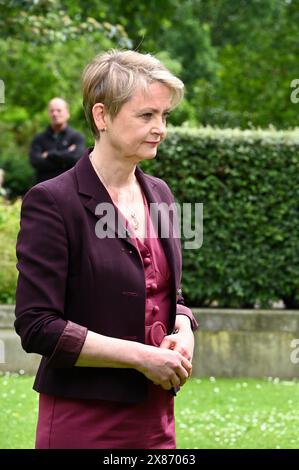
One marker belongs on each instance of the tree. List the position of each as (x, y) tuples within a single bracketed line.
[(49, 21)]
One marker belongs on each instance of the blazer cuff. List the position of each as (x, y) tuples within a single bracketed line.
[(69, 346), (183, 310)]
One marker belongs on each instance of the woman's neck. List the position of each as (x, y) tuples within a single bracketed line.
[(116, 172)]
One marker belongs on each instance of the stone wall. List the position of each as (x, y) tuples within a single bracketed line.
[(229, 343), (246, 343), (15, 358)]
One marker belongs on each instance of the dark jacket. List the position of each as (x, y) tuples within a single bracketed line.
[(70, 281), (59, 158)]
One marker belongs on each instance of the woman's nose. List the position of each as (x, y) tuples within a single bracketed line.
[(159, 127)]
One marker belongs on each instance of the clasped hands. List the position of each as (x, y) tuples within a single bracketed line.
[(170, 365), (182, 341)]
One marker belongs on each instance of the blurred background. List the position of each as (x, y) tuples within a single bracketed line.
[(236, 58)]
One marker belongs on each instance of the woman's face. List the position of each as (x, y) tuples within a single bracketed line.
[(140, 126)]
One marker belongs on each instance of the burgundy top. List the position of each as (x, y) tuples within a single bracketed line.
[(96, 424)]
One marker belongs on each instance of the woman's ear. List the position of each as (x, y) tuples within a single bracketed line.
[(99, 116)]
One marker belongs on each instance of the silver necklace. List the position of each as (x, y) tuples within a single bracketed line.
[(134, 221)]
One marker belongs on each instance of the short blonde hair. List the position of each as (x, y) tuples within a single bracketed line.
[(111, 78)]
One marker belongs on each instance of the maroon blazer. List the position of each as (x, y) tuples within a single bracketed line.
[(70, 281)]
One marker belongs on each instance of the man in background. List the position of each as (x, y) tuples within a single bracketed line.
[(59, 147)]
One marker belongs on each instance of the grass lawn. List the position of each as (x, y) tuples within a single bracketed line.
[(210, 414)]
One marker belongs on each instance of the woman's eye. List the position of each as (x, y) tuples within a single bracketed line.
[(146, 115), (166, 116)]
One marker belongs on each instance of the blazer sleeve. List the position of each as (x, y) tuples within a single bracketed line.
[(181, 309), (42, 253)]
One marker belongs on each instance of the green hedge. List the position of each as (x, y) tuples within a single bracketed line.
[(248, 182), (14, 159), (9, 227)]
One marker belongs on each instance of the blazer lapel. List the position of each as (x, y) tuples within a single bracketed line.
[(154, 194), (93, 192)]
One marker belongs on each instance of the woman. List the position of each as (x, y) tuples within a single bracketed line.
[(99, 297)]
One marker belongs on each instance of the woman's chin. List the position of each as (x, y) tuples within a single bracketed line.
[(149, 155)]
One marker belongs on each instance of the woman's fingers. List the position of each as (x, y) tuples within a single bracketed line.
[(186, 364), (174, 382), (184, 371), (182, 343), (184, 375), (169, 369)]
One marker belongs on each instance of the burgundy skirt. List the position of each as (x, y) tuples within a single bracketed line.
[(98, 424)]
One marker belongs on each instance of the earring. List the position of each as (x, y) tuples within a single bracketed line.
[(103, 130)]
